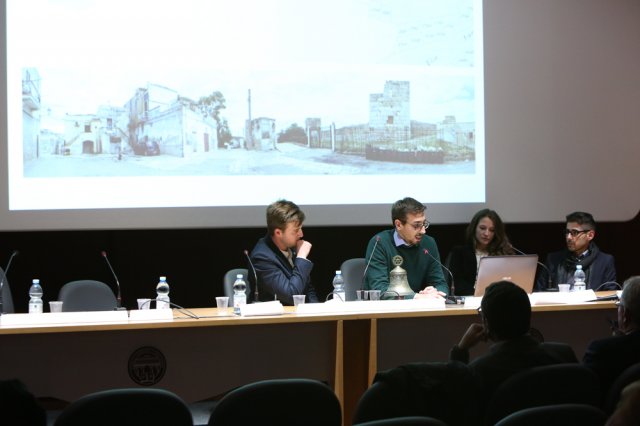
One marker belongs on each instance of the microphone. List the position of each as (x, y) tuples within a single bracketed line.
[(364, 274), (550, 286), (451, 299), (256, 297), (4, 275), (119, 295)]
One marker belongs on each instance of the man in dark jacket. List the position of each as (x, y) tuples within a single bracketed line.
[(599, 267), (281, 259), (610, 356), (506, 317)]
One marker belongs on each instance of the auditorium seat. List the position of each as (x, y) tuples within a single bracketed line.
[(279, 402), (628, 376), (556, 415), (443, 390), (87, 295), (545, 385), (405, 421), (127, 407)]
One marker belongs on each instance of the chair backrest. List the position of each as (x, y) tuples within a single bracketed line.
[(229, 279), (628, 376), (405, 421), (87, 295), (447, 391), (279, 402), (544, 385), (127, 407), (352, 271), (7, 298), (556, 415)]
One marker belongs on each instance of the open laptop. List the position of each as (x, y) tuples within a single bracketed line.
[(521, 270)]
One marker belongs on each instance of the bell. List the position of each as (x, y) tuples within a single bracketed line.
[(398, 282)]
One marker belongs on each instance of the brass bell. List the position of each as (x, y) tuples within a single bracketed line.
[(398, 282)]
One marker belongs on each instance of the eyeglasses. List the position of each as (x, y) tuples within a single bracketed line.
[(418, 226), (575, 232)]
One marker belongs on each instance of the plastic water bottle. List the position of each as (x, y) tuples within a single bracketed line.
[(338, 287), (35, 297), (162, 291), (578, 279), (239, 294)]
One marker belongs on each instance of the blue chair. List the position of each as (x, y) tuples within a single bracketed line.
[(87, 295), (352, 272)]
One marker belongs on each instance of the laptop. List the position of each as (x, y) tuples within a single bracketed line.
[(521, 270)]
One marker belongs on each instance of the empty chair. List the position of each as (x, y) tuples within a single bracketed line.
[(556, 415), (545, 385), (405, 421), (229, 279), (87, 295), (127, 407), (352, 272), (279, 402), (7, 298), (628, 376), (447, 391)]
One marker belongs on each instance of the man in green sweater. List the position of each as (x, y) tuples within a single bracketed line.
[(407, 239)]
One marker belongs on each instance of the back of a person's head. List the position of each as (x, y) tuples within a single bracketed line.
[(18, 407), (630, 298), (507, 310)]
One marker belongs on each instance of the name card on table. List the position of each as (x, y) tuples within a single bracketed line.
[(65, 318), (262, 308), (151, 315), (371, 306), (561, 297)]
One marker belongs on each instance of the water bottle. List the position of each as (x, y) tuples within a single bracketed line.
[(578, 279), (35, 298), (239, 294), (162, 291), (338, 287)]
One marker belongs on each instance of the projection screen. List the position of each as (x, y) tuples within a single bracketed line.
[(187, 114)]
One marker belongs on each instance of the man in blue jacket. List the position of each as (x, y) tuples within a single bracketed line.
[(281, 257), (599, 267)]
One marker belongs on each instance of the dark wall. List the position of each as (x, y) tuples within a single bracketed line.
[(195, 260)]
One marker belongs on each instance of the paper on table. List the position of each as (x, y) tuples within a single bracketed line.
[(559, 298), (262, 308)]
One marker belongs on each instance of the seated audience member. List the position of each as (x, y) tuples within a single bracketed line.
[(18, 407), (506, 314), (598, 266), (280, 258), (610, 356), (627, 412), (408, 240), (485, 236)]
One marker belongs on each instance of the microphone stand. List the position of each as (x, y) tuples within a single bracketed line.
[(4, 276)]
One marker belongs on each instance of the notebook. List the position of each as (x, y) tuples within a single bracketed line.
[(521, 270)]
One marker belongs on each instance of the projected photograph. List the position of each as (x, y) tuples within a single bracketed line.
[(245, 88)]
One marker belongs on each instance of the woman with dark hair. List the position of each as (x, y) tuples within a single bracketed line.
[(485, 236)]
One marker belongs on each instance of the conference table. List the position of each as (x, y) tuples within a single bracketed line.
[(200, 354)]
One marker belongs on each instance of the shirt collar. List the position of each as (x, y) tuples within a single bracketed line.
[(399, 242)]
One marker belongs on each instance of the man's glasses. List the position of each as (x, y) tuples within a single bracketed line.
[(418, 226), (575, 232)]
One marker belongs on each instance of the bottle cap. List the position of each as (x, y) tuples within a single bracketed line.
[(338, 272), (163, 278), (36, 281), (239, 276)]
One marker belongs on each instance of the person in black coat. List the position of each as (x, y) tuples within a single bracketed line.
[(610, 356), (599, 267), (506, 316), (485, 236)]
